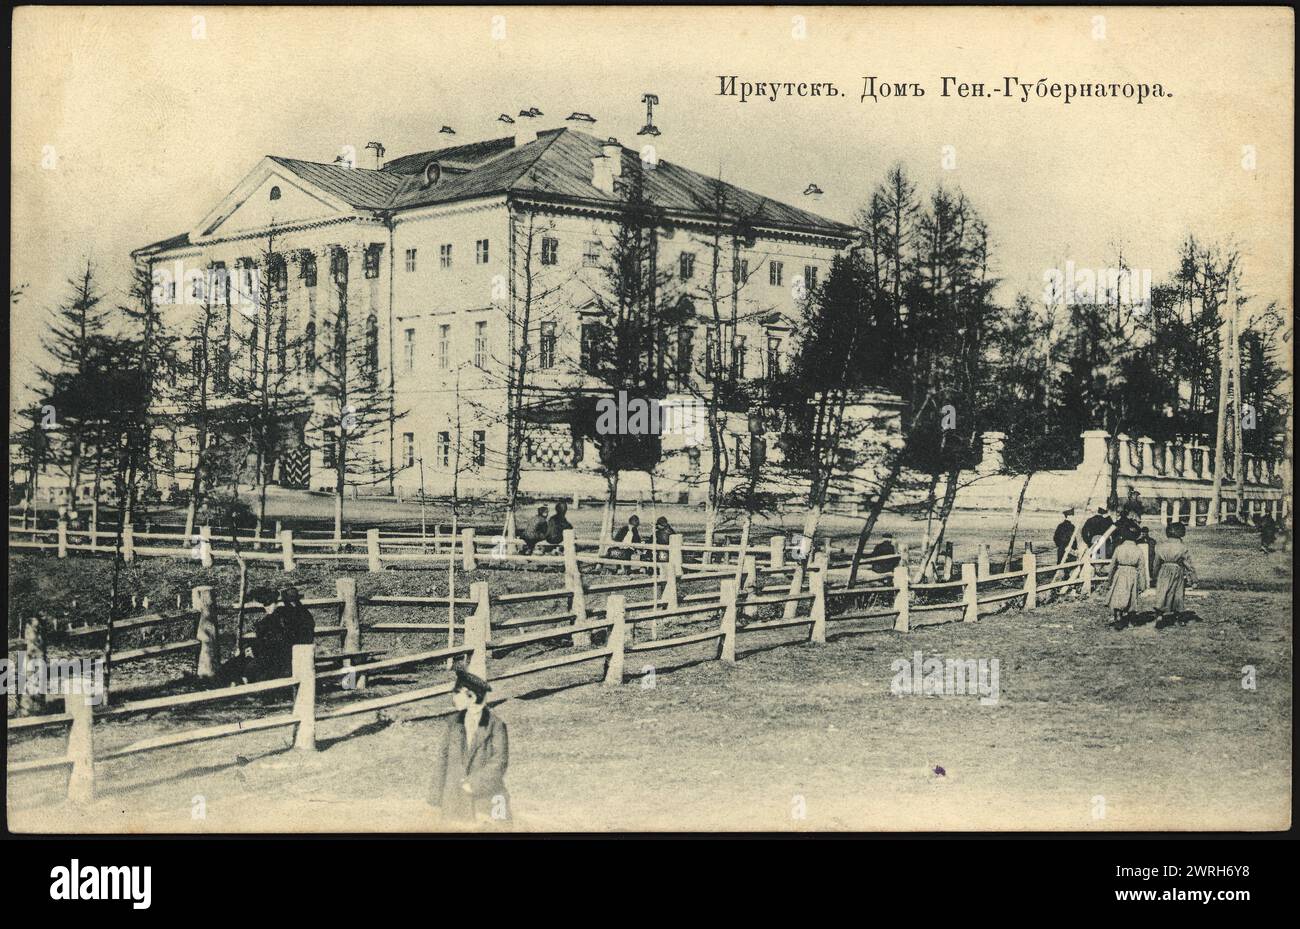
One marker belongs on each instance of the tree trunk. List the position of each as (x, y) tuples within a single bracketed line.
[(1015, 522)]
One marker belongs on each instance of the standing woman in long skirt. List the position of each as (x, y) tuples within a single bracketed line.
[(1126, 576), (1174, 571)]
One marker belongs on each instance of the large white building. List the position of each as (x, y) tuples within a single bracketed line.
[(434, 252)]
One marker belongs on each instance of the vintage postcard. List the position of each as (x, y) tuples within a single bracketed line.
[(650, 419)]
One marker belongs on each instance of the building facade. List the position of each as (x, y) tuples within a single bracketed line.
[(445, 260)]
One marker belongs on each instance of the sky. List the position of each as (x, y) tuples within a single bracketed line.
[(130, 124)]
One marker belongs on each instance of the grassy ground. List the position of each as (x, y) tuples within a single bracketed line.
[(1094, 729)]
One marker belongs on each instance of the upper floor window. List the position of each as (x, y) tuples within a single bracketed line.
[(810, 278), (410, 259), (481, 252), (408, 449), (686, 266), (480, 344), (372, 260), (590, 347), (444, 449), (546, 353), (444, 347), (372, 348), (309, 269), (738, 355), (408, 350), (742, 271), (591, 254), (479, 448), (685, 339), (444, 256), (775, 273), (550, 250)]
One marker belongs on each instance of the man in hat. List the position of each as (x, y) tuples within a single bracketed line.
[(299, 624), (1063, 534), (534, 533), (272, 654), (469, 764)]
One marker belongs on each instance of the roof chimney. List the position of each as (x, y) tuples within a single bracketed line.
[(379, 153), (526, 126), (614, 152), (602, 174)]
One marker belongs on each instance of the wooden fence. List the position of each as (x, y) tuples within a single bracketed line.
[(802, 595)]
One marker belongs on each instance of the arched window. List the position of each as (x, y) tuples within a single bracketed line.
[(275, 193)]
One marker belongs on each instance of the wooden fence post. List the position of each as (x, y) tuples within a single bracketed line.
[(675, 554), (776, 556), (372, 550), (350, 614), (902, 597), (670, 596), (304, 699), (749, 582), (1029, 564), (982, 559), (970, 593), (476, 630), (128, 543), (796, 588), (81, 742), (817, 587), (32, 696), (614, 612), (467, 561), (206, 633), (727, 647), (205, 546), (286, 550), (573, 581), (63, 537)]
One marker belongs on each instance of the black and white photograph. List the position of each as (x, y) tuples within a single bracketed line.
[(518, 421)]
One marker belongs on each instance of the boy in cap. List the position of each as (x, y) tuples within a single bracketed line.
[(469, 764)]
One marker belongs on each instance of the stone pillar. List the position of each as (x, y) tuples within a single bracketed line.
[(1126, 468), (1148, 460), (1094, 451)]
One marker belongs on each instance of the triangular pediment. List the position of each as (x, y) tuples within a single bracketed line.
[(271, 196)]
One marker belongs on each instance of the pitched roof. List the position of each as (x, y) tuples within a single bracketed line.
[(555, 166)]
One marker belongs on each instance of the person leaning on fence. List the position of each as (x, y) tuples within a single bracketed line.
[(627, 533), (271, 645), (470, 758), (1063, 534), (664, 531), (556, 525), (1174, 571), (534, 533), (299, 624), (883, 551)]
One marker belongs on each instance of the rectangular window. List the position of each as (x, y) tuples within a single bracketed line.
[(408, 448), (309, 269), (481, 252), (480, 344), (550, 250), (444, 449), (372, 260), (444, 256), (408, 349), (410, 259), (810, 277), (685, 348), (590, 348), (444, 347), (712, 358), (774, 273), (479, 448), (742, 271), (591, 254), (773, 356), (546, 353), (686, 266), (738, 355)]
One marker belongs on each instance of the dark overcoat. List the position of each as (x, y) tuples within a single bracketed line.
[(479, 761)]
